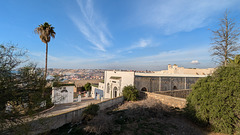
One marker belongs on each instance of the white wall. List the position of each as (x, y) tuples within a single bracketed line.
[(93, 91), (123, 79), (100, 85), (63, 94)]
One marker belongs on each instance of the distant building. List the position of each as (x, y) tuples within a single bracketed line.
[(190, 71)]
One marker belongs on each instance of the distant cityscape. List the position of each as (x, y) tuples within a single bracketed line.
[(83, 74)]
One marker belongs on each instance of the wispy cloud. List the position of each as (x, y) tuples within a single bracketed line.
[(173, 16), (158, 61), (96, 61), (180, 57), (91, 25), (81, 50), (142, 43), (195, 62)]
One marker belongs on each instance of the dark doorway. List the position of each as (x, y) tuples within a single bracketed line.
[(115, 91), (174, 87), (115, 94), (144, 89)]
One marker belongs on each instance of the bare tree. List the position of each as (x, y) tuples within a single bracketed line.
[(225, 40)]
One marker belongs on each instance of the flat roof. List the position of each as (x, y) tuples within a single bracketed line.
[(168, 75)]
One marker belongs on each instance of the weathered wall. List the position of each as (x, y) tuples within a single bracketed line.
[(170, 83), (167, 100), (154, 84), (63, 94), (191, 81), (56, 121), (150, 83), (176, 93)]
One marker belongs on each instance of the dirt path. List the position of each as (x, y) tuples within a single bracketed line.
[(62, 108)]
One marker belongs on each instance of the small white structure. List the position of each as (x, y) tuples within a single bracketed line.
[(95, 91), (62, 94)]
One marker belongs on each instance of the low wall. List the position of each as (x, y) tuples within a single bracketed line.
[(176, 93), (45, 124), (167, 100)]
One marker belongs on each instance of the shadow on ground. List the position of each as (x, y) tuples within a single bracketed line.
[(144, 117)]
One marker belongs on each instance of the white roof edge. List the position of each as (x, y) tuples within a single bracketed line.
[(120, 71), (169, 75)]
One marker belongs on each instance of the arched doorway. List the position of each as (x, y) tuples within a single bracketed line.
[(174, 87), (144, 89), (115, 92)]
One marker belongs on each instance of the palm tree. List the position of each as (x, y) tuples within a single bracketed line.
[(45, 32)]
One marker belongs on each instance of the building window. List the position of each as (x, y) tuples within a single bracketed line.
[(108, 88)]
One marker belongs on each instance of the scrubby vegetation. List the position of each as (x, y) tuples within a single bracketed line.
[(23, 91), (215, 100), (90, 112), (145, 117), (130, 93)]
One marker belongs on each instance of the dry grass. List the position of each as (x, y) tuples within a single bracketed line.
[(141, 117), (100, 124)]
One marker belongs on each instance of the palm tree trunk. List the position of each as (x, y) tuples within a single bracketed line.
[(45, 73)]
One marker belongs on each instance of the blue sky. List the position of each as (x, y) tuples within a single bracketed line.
[(116, 34)]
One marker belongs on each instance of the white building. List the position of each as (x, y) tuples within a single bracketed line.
[(114, 82), (62, 94), (172, 79), (189, 71)]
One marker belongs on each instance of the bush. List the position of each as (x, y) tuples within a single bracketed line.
[(89, 113), (215, 100), (87, 86), (130, 93)]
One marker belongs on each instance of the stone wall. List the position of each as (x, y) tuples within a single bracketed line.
[(176, 93), (163, 83), (45, 124), (167, 100), (150, 83)]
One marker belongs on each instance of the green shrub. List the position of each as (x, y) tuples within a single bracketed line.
[(88, 86), (90, 112), (130, 93), (215, 100)]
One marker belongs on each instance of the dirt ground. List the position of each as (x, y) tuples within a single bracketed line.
[(145, 117)]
